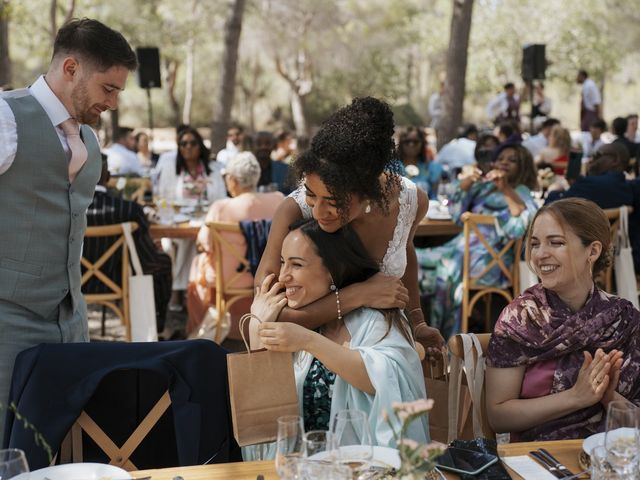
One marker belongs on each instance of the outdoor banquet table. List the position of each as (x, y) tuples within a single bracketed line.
[(427, 228), (566, 451), (178, 230)]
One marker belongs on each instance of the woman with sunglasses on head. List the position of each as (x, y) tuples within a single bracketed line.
[(412, 152), (189, 178), (350, 175)]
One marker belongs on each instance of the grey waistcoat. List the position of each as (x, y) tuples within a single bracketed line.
[(42, 215)]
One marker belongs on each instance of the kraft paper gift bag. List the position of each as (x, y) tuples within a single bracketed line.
[(261, 389)]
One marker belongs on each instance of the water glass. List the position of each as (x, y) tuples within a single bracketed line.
[(621, 439), (289, 446), (12, 463), (601, 469), (312, 470), (352, 439), (319, 442)]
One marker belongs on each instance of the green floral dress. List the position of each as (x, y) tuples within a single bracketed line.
[(317, 391)]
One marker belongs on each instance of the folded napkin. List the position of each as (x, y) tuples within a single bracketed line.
[(527, 468)]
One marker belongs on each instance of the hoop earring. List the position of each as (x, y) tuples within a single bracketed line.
[(367, 209)]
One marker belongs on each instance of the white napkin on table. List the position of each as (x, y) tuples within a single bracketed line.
[(527, 468)]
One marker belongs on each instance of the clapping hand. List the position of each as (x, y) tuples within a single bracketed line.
[(595, 377), (499, 178)]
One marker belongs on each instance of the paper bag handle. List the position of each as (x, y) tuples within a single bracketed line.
[(241, 323), (133, 253)]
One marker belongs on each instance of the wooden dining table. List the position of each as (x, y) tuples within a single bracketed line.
[(566, 451), (426, 228)]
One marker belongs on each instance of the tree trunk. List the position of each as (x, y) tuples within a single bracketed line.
[(188, 88), (53, 12), (227, 80), (5, 59), (453, 102), (170, 82), (298, 113)]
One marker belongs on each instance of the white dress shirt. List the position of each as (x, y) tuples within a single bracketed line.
[(123, 161), (499, 105), (457, 153), (590, 94), (535, 144), (54, 109), (227, 153)]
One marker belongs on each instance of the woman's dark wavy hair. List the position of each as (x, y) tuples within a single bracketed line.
[(348, 262), (353, 148), (204, 151), (422, 138)]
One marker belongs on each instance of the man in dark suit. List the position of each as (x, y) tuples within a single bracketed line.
[(606, 186), (107, 210)]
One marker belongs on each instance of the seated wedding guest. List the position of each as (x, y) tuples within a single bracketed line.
[(619, 128), (537, 142), (285, 146), (274, 173), (459, 151), (121, 156), (362, 360), (148, 159), (632, 128), (592, 140), (188, 178), (505, 192), (487, 143), (241, 178), (234, 145), (107, 210), (607, 186), (169, 156), (412, 151), (350, 175), (563, 349), (508, 132), (557, 153)]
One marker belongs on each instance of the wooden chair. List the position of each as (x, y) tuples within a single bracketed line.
[(470, 284), (226, 292), (71, 450), (456, 348), (117, 293), (606, 277)]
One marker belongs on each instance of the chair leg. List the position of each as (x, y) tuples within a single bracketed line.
[(487, 313)]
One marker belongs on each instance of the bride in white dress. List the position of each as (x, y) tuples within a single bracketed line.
[(349, 175)]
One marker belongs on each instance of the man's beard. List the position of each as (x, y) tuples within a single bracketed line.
[(80, 102)]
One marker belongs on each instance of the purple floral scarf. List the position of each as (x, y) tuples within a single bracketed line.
[(538, 326)]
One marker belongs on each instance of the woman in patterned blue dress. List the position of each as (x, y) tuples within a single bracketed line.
[(412, 152), (505, 192)]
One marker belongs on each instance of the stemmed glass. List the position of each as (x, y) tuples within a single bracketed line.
[(352, 439), (12, 463), (289, 446), (621, 439), (320, 458)]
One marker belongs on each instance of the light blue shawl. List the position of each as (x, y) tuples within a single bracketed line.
[(393, 367)]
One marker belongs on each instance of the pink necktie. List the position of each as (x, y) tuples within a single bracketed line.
[(71, 130)]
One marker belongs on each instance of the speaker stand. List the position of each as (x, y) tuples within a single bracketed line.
[(150, 111), (530, 85)]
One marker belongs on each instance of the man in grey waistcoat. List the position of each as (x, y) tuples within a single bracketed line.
[(49, 166)]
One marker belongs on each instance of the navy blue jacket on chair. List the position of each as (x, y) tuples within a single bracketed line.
[(52, 384)]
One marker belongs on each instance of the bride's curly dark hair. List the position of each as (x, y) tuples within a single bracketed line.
[(353, 148)]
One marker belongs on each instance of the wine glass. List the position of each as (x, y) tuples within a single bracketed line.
[(12, 463), (352, 439), (621, 439), (319, 442), (289, 445), (443, 193), (600, 467)]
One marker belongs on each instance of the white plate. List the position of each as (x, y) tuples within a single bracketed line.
[(382, 456), (592, 442), (597, 439), (77, 471), (438, 215), (181, 218)]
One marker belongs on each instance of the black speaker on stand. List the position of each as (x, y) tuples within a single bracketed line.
[(149, 76), (534, 65)]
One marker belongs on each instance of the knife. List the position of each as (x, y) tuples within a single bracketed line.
[(556, 463), (541, 459)]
